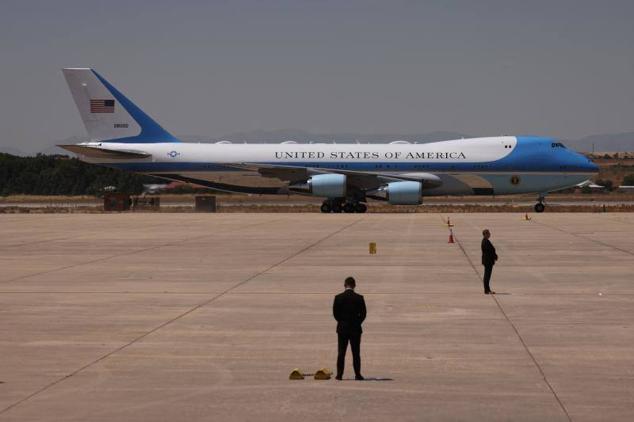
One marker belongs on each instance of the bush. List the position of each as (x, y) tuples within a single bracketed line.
[(60, 175), (607, 183), (628, 180)]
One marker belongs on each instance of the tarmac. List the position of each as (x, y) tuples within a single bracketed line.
[(165, 317)]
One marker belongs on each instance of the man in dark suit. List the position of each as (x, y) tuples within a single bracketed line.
[(488, 260), (349, 311)]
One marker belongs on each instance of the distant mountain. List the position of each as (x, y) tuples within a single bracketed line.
[(12, 151), (605, 143), (261, 136), (614, 142), (611, 142), (55, 150)]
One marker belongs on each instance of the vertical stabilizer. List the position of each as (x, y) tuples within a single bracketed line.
[(107, 114)]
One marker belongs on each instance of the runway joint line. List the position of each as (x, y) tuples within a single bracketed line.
[(519, 336), (178, 317), (588, 239)]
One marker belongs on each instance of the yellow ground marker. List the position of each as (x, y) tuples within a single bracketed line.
[(323, 374), (296, 374), (372, 248)]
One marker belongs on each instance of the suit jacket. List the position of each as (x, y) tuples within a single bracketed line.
[(488, 253), (349, 311)]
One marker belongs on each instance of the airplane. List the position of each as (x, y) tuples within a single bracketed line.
[(346, 175)]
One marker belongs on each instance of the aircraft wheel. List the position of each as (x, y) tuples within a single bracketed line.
[(539, 207), (336, 206), (360, 207), (348, 207), (325, 207)]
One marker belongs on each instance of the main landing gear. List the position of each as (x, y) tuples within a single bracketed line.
[(340, 205), (539, 206)]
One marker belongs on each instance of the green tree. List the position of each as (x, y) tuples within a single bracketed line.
[(60, 175), (628, 180)]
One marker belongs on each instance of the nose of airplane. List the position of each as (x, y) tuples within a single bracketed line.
[(584, 163), (593, 167)]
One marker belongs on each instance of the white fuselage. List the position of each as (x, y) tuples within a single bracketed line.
[(495, 165)]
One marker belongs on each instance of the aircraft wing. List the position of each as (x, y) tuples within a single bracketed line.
[(363, 180)]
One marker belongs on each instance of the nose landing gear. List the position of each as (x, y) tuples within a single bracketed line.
[(339, 205), (539, 206)]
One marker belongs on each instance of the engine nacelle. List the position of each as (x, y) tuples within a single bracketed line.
[(326, 185), (401, 193)]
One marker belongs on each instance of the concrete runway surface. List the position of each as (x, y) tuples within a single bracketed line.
[(167, 317)]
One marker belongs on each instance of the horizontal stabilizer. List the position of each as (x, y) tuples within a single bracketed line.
[(96, 152)]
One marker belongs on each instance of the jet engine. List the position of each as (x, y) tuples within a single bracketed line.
[(400, 193), (326, 185)]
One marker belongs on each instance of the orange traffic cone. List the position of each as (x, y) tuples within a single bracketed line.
[(526, 217), (449, 222), (451, 236)]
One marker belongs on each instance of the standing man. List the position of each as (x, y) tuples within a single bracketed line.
[(488, 260), (349, 311)]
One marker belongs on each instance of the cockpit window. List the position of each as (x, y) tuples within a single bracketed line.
[(558, 145)]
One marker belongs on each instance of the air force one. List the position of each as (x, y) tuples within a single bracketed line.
[(401, 173)]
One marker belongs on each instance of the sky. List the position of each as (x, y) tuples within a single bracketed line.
[(212, 68)]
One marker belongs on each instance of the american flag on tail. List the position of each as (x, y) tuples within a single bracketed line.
[(102, 106)]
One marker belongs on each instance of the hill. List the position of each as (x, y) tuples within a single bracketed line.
[(610, 142)]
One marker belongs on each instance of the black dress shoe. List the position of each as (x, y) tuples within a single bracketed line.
[(359, 377), (338, 377)]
